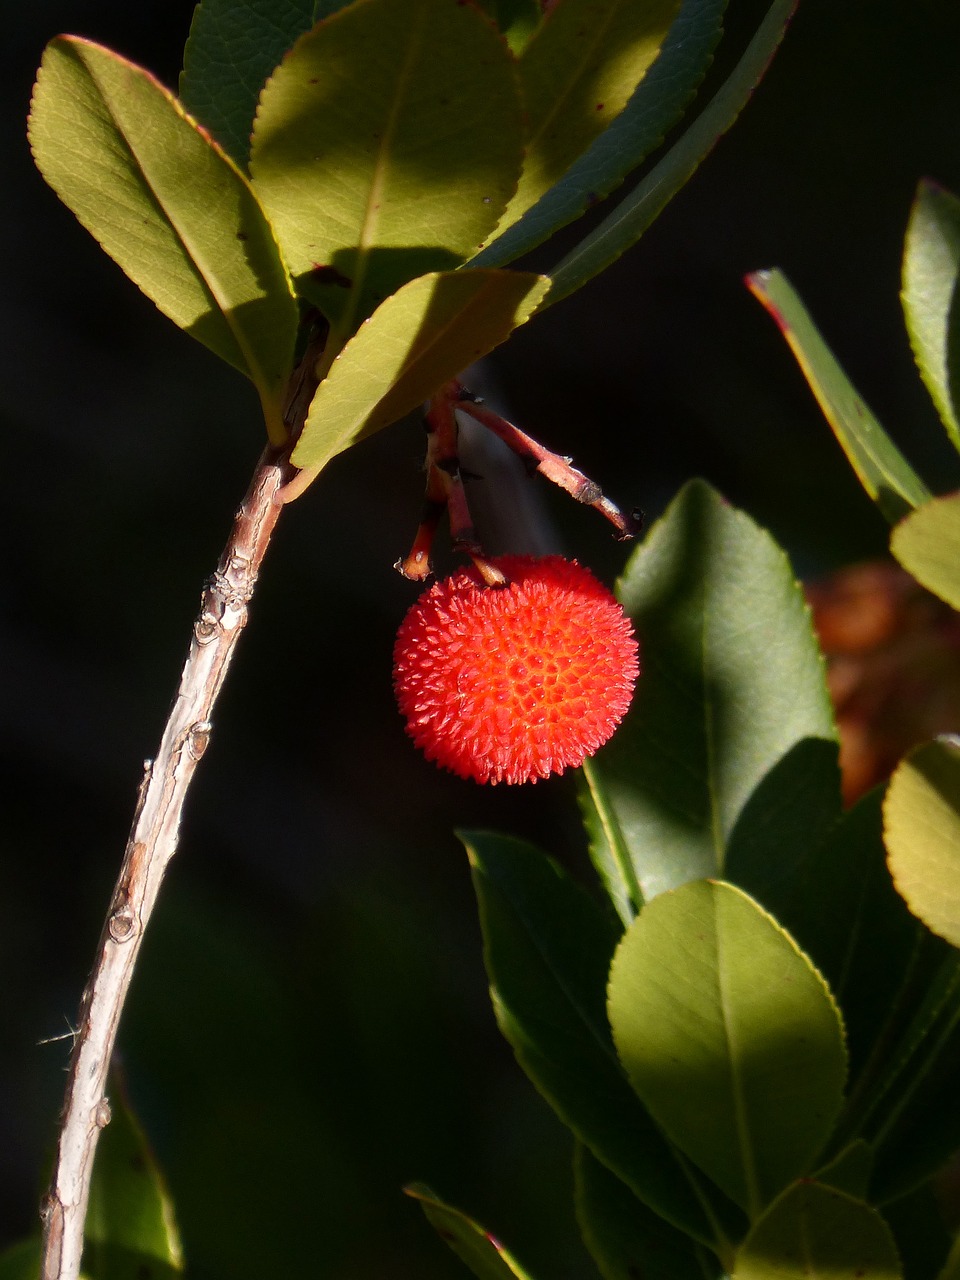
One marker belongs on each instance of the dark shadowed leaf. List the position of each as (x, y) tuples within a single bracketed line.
[(657, 104), (547, 948), (168, 206), (232, 48), (578, 72), (625, 1239), (474, 1245), (628, 221)]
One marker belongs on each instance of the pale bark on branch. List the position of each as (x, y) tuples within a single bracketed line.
[(150, 847)]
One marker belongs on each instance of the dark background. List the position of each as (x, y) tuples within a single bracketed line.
[(309, 1027)]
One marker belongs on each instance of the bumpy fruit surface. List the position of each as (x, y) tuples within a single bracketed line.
[(514, 683)]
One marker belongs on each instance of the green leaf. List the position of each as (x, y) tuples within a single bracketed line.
[(609, 851), (655, 107), (923, 1241), (624, 1238), (578, 72), (880, 466), (547, 948), (628, 221), (422, 336), (843, 910), (850, 1170), (927, 544), (130, 1230), (814, 1232), (386, 146), (168, 206), (232, 48), (729, 1036), (483, 1253), (516, 19), (732, 682), (931, 271), (921, 817), (911, 1114)]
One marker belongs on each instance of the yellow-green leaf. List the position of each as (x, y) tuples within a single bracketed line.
[(168, 206), (423, 335), (578, 72), (927, 544), (386, 146), (921, 816)]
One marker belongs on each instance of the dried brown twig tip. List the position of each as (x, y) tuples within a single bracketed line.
[(559, 470)]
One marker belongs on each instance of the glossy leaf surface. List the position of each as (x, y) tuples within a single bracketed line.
[(655, 107), (578, 72), (931, 271), (880, 466), (547, 948), (813, 1232), (423, 335), (733, 683), (729, 1036), (628, 221), (927, 544), (624, 1238), (386, 146), (168, 206), (130, 1230), (482, 1252), (922, 831)]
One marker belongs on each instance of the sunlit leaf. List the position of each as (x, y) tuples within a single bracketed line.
[(232, 48), (482, 1252), (931, 272), (880, 466), (578, 72), (927, 544), (168, 206), (730, 1037), (732, 684), (423, 335), (547, 948), (655, 107), (609, 851), (922, 831), (628, 221), (814, 1232), (386, 146), (130, 1230), (625, 1239)]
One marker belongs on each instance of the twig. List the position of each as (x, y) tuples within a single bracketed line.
[(150, 847)]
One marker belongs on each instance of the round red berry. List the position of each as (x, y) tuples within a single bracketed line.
[(513, 683)]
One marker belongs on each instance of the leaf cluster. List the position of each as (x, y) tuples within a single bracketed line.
[(369, 171), (752, 1037)]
